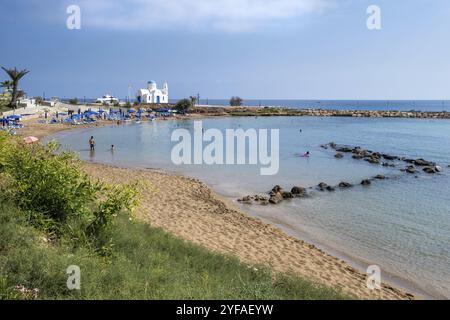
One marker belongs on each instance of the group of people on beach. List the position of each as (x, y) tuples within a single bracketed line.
[(92, 145)]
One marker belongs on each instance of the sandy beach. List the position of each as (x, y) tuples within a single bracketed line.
[(188, 208)]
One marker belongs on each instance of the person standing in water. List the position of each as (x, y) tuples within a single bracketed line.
[(92, 143)]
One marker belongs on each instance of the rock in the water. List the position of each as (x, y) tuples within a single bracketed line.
[(380, 177), (430, 170), (424, 163), (372, 160), (389, 157), (287, 195), (357, 156), (330, 188), (344, 184), (344, 149), (298, 191), (276, 198), (277, 189), (246, 199), (322, 186), (366, 182), (339, 155), (264, 202), (410, 169)]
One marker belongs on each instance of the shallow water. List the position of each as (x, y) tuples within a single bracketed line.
[(401, 224)]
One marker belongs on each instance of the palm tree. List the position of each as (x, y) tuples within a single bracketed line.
[(15, 76), (6, 84)]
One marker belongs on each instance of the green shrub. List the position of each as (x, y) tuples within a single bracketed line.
[(184, 105), (51, 187), (73, 101)]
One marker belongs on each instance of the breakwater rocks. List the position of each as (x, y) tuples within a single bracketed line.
[(275, 196), (278, 194), (284, 111), (413, 166), (387, 160), (376, 113)]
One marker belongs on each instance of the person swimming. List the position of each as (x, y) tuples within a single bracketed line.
[(112, 148), (305, 155)]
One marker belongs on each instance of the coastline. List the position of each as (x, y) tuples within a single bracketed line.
[(197, 214)]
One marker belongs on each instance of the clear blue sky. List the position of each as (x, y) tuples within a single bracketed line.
[(280, 49)]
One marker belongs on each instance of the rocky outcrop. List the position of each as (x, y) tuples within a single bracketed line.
[(372, 160), (276, 198), (366, 182), (287, 195), (298, 191), (344, 184), (376, 158), (256, 198), (344, 149), (322, 186), (380, 177), (432, 169), (410, 169), (424, 163), (389, 157)]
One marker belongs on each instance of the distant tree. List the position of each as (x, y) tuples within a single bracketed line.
[(235, 102), (73, 101), (184, 105), (15, 76), (38, 100), (193, 100), (128, 104)]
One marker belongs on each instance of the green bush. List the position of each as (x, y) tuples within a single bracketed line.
[(51, 187), (184, 105)]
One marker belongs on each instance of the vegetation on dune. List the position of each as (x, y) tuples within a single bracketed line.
[(53, 216)]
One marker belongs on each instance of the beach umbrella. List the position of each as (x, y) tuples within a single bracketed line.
[(30, 139), (14, 116), (131, 110)]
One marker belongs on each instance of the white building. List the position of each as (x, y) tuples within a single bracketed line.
[(153, 94), (107, 99)]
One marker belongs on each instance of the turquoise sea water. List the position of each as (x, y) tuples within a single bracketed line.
[(401, 224)]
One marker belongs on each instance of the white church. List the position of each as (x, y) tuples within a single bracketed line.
[(152, 94)]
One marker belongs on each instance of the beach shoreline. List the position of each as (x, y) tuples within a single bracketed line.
[(197, 214)]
